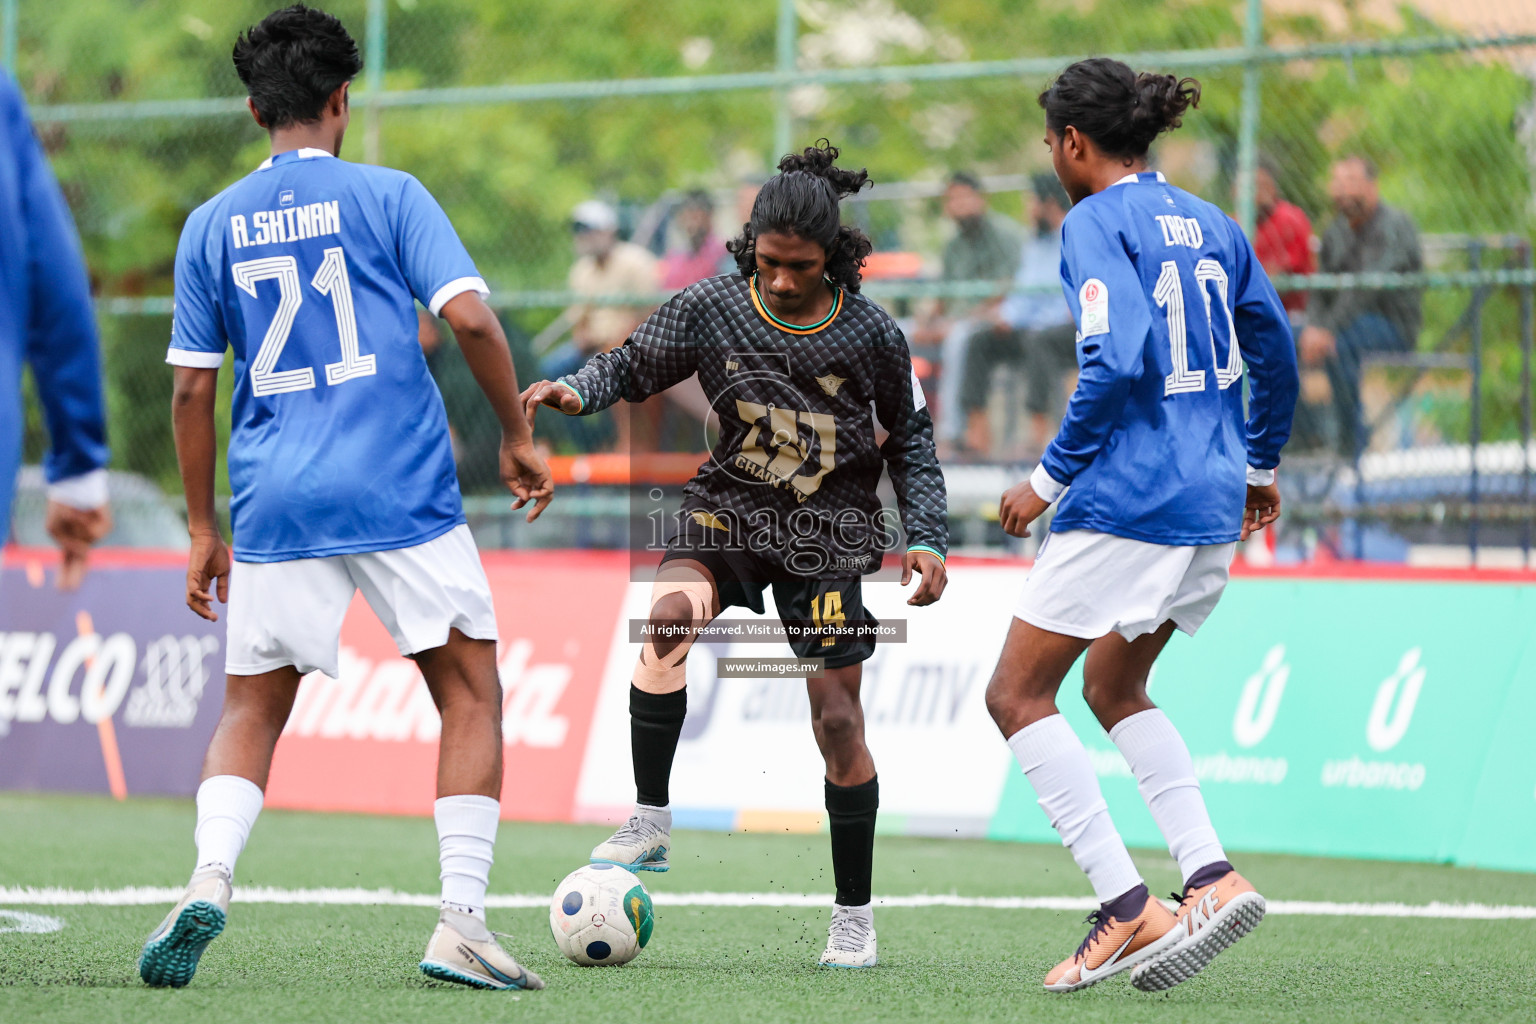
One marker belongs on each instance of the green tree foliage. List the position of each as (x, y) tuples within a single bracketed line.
[(1442, 128)]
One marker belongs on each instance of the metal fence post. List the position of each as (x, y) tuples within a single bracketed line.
[(784, 64), (8, 29), (1527, 344), (373, 71), (1475, 413), (1248, 124)]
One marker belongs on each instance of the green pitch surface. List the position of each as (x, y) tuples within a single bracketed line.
[(297, 962)]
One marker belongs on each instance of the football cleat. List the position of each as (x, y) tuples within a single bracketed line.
[(1210, 919), (850, 937), (171, 952), (1113, 946), (464, 951), (641, 844)]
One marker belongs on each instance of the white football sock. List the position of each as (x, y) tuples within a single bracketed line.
[(466, 842), (1165, 774), (1056, 764), (227, 806)]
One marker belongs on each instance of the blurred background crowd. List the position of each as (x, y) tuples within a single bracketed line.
[(1379, 155)]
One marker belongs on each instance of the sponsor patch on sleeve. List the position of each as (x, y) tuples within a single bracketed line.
[(1094, 298), (919, 400)]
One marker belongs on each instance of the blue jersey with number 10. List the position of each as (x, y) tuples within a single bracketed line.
[(310, 268), (1170, 303)]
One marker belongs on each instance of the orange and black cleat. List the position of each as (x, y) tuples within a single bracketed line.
[(1210, 918)]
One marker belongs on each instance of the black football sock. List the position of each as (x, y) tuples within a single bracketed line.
[(851, 815), (655, 723), (1128, 904), (1207, 875)]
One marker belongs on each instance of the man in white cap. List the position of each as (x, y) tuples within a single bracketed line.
[(604, 266)]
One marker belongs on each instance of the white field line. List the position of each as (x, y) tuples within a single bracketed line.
[(150, 895)]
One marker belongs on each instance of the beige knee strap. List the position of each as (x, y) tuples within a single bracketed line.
[(656, 673)]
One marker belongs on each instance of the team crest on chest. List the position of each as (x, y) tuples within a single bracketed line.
[(830, 383)]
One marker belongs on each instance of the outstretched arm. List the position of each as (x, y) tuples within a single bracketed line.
[(484, 345), (661, 352)]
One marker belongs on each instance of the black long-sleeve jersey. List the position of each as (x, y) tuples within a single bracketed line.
[(796, 465)]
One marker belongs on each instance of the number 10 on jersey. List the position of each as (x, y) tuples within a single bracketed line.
[(331, 279)]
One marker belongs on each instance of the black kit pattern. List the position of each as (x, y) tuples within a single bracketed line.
[(796, 467)]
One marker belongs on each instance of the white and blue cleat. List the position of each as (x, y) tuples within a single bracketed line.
[(464, 951), (641, 844), (851, 937), (171, 952)]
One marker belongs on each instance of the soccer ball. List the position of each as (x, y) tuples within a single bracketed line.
[(601, 915)]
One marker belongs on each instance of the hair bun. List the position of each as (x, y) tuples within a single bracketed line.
[(1161, 101), (819, 161)]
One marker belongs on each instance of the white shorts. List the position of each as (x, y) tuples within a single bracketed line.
[(1088, 584), (289, 613)]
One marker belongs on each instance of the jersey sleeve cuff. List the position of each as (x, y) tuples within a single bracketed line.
[(935, 552), (194, 358), (1260, 477), (1045, 485), (86, 491), (572, 390), (455, 288)]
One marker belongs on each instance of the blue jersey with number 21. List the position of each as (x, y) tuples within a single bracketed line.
[(1170, 303), (310, 268)]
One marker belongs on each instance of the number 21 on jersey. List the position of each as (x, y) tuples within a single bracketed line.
[(1169, 295), (331, 279)]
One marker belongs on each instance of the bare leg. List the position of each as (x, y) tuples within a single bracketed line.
[(462, 678), (837, 719), (1115, 674), (1028, 674), (255, 710)]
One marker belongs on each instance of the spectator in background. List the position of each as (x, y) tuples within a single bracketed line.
[(1282, 235), (46, 321), (702, 250), (604, 265), (1033, 328), (1366, 236), (472, 424), (985, 247)]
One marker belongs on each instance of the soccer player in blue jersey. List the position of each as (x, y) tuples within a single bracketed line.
[(310, 269), (46, 321), (1158, 475)]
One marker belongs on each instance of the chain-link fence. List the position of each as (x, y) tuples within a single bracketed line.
[(513, 114)]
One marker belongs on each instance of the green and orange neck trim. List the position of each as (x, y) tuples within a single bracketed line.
[(786, 326)]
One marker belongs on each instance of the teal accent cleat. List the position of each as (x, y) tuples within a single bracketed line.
[(641, 844), (171, 952)]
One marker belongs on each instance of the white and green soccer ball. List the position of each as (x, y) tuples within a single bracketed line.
[(601, 915)]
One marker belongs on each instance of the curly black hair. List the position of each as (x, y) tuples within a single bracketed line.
[(292, 61), (802, 199), (1121, 111)]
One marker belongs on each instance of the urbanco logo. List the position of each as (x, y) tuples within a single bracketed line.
[(1392, 711), (1260, 701)]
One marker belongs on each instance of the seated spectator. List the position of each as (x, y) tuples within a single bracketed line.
[(604, 266), (1282, 235), (1033, 328), (1367, 236), (985, 246), (702, 250)]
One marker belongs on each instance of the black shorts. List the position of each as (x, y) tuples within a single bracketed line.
[(821, 615)]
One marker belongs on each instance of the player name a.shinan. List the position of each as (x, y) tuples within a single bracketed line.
[(293, 224)]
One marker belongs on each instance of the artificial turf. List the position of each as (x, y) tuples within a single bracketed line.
[(708, 964)]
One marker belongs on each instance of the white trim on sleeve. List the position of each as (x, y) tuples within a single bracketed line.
[(86, 491), (1260, 477), (194, 358), (1045, 485), (455, 288)]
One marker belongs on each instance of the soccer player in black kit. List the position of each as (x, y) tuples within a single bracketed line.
[(798, 366)]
